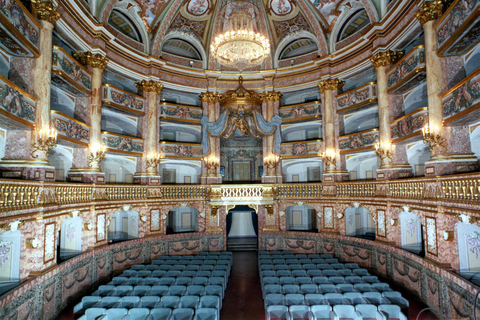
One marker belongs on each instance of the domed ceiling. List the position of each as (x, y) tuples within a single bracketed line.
[(180, 31)]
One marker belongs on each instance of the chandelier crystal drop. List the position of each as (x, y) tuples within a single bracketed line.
[(240, 46)]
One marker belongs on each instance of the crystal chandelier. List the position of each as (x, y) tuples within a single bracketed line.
[(240, 46)]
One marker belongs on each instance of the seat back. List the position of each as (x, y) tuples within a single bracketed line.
[(206, 314), (272, 288), (294, 299), (189, 301), (94, 313), (274, 299), (182, 314), (344, 311), (170, 301), (130, 302), (327, 288), (209, 302), (278, 312), (312, 299), (116, 313), (367, 310), (290, 288), (299, 312), (321, 311), (391, 310), (149, 301), (195, 290), (308, 288), (161, 313), (138, 313)]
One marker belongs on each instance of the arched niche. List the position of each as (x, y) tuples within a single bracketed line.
[(302, 131), (195, 51), (60, 101), (353, 18), (118, 123), (359, 223), (180, 171), (474, 138), (123, 226), (362, 166), (118, 169), (418, 154), (182, 220), (10, 246), (360, 121), (70, 238), (302, 170), (301, 218), (468, 237), (411, 233), (61, 157)]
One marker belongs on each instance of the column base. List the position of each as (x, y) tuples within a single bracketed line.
[(394, 171), (451, 164), (27, 169), (335, 176), (150, 178), (272, 179), (213, 179), (86, 175)]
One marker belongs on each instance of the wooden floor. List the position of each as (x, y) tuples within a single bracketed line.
[(243, 297)]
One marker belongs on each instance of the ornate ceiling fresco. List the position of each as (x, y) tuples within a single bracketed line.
[(281, 21)]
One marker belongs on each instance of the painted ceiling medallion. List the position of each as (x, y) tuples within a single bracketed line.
[(198, 7), (281, 7)]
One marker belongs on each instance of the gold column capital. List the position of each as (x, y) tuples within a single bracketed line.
[(430, 10), (149, 86), (94, 60), (330, 85), (386, 58), (209, 96), (45, 10), (271, 96)]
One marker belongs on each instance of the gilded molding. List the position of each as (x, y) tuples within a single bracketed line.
[(149, 86), (330, 85), (45, 10), (271, 96), (209, 96), (383, 59), (93, 60), (431, 10)]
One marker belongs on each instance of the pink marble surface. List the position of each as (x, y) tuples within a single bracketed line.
[(21, 73)]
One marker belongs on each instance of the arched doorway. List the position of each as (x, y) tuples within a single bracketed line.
[(242, 229)]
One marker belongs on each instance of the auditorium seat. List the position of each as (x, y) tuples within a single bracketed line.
[(116, 313), (149, 301), (396, 298), (171, 302), (292, 299), (375, 298), (327, 288), (312, 299), (290, 288), (214, 290), (322, 312), (195, 290), (334, 298), (93, 313), (182, 314), (308, 288), (355, 298), (391, 312), (368, 312), (206, 314), (189, 302), (130, 302), (274, 299), (300, 313), (138, 314), (87, 302), (277, 312), (209, 302), (161, 313)]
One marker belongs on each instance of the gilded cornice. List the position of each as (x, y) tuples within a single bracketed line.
[(209, 96), (93, 60), (45, 10), (330, 85), (271, 96), (149, 86), (430, 10), (383, 59)]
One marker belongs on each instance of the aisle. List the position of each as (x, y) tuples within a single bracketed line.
[(243, 297)]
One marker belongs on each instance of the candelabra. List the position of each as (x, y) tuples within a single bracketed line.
[(47, 139), (329, 158), (271, 161), (432, 137), (154, 160), (383, 151), (97, 155), (211, 162)]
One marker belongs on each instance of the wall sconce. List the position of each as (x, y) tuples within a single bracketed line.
[(143, 218), (164, 217), (191, 64), (271, 161), (88, 226), (281, 213), (47, 139), (448, 235), (108, 222), (202, 214), (214, 211), (270, 210), (340, 215), (211, 162), (432, 137), (97, 155), (393, 222), (382, 150), (153, 160), (74, 213), (329, 158), (32, 243)]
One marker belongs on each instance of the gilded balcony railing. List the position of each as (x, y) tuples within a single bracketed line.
[(408, 72), (300, 112), (409, 125), (122, 100), (70, 129), (184, 150), (455, 34), (119, 143), (460, 103), (358, 141), (69, 75), (20, 194), (180, 113), (359, 98)]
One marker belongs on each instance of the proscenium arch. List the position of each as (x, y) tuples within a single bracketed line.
[(289, 39)]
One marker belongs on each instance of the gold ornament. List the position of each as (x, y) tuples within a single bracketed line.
[(271, 96), (149, 86), (330, 85), (383, 59), (209, 97), (93, 60), (430, 10), (44, 10)]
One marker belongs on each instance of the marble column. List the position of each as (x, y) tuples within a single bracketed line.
[(148, 173), (393, 165), (88, 169), (210, 172), (443, 161), (334, 164), (271, 173), (36, 166)]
